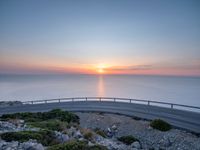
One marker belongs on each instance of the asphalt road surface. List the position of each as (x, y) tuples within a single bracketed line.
[(182, 119)]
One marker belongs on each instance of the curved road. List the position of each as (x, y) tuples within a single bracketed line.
[(179, 118)]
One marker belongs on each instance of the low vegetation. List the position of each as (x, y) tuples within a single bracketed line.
[(127, 139), (48, 122), (100, 132), (57, 114), (160, 125), (87, 134), (56, 119), (50, 125), (43, 136), (76, 145)]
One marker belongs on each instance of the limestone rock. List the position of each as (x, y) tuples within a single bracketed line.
[(61, 137), (136, 144), (14, 145)]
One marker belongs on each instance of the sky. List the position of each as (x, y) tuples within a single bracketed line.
[(100, 36)]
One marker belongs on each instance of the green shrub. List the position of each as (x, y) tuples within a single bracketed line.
[(21, 136), (42, 116), (76, 145), (50, 125), (127, 139), (160, 125), (45, 137), (100, 132)]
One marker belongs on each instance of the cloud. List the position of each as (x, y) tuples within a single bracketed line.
[(130, 68)]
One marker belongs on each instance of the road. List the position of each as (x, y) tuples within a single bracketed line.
[(178, 118)]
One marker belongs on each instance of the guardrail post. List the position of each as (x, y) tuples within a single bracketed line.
[(130, 100), (172, 106), (45, 101), (86, 99), (99, 98), (31, 102), (148, 102), (114, 100), (59, 100), (72, 99)]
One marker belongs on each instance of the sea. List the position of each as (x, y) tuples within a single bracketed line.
[(171, 89)]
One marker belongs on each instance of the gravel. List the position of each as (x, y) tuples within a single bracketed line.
[(149, 138)]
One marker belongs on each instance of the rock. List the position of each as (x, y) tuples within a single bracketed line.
[(10, 145), (134, 148), (82, 139), (150, 128), (71, 131), (110, 134), (31, 145), (15, 144), (164, 142), (14, 126), (112, 131), (114, 127), (2, 143), (61, 137), (17, 122), (136, 144), (78, 134), (109, 130), (21, 121), (9, 148), (110, 143), (90, 144), (101, 116), (7, 126)]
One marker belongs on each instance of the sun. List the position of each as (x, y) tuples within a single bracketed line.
[(101, 68)]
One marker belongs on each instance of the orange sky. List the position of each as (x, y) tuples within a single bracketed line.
[(31, 66), (100, 37)]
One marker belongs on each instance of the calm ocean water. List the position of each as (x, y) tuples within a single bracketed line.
[(183, 90)]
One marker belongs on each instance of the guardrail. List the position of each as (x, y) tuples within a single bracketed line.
[(115, 99)]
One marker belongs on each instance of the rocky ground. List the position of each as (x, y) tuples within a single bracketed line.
[(149, 138), (72, 133), (113, 126), (15, 145)]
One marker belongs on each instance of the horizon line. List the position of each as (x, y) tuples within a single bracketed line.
[(104, 74)]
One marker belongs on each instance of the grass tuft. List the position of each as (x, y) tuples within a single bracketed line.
[(100, 132), (87, 134)]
